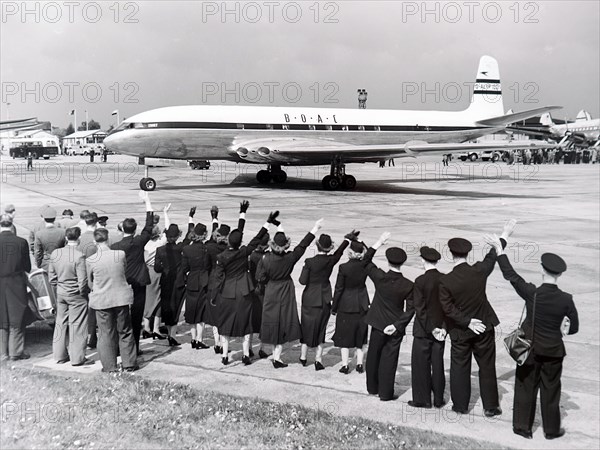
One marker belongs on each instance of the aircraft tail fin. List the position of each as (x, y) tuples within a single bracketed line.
[(583, 115), (486, 101), (546, 119)]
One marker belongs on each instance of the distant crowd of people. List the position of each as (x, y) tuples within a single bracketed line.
[(115, 288)]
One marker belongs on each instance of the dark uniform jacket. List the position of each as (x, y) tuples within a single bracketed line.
[(232, 278), (136, 270), (392, 302), (351, 294), (462, 295), (196, 263), (14, 263), (551, 306), (315, 276), (426, 301), (46, 241)]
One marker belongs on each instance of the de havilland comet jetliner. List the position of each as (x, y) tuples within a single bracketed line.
[(281, 136)]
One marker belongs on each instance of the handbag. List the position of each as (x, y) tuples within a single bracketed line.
[(517, 344)]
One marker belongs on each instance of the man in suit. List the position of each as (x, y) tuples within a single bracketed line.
[(11, 211), (67, 221), (137, 270), (67, 273), (427, 358), (111, 296), (14, 265), (543, 368), (471, 320), (48, 239), (390, 313), (40, 225)]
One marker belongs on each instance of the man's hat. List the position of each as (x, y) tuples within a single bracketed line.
[(49, 213), (43, 209), (395, 256), (430, 254), (103, 219), (224, 230), (235, 238), (553, 264), (459, 246), (67, 212), (324, 243), (280, 239), (172, 231), (199, 229), (10, 209)]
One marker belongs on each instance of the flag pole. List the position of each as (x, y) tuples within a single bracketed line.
[(86, 120)]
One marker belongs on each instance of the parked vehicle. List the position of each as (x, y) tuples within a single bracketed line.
[(471, 156), (39, 149), (491, 155)]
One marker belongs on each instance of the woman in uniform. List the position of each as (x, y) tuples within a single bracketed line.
[(234, 289), (316, 297), (196, 266), (350, 305), (280, 322)]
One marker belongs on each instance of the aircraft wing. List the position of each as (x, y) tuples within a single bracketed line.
[(314, 151), (507, 119)]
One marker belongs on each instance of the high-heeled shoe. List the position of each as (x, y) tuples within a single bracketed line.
[(319, 366), (344, 370), (201, 345), (359, 368), (302, 361), (225, 360), (146, 334), (246, 360), (262, 354), (194, 343), (279, 364), (218, 349), (158, 336), (172, 342)]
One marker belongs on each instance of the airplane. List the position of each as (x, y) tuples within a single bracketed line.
[(584, 132), (297, 136)]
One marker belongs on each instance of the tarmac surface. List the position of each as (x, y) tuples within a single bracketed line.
[(421, 203)]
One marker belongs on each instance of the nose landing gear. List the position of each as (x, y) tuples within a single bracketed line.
[(146, 183)]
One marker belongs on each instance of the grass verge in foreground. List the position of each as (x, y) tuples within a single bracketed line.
[(44, 410)]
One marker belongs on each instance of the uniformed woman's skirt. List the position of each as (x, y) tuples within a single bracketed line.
[(313, 322), (257, 309), (235, 316), (280, 322), (196, 306), (152, 306), (351, 330), (172, 293)]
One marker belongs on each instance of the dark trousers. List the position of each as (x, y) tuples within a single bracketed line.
[(12, 341), (483, 347), (92, 324), (71, 329), (427, 370), (114, 329), (538, 373), (137, 312), (382, 361)]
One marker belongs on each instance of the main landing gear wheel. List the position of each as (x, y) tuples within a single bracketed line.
[(337, 178), (263, 177), (147, 184), (349, 182), (279, 177), (273, 172)]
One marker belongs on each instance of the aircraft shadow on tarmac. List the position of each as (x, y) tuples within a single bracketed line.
[(393, 186)]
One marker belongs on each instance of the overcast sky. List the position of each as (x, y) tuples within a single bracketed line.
[(144, 55)]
